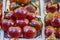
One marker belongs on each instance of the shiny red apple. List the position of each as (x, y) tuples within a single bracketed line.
[(36, 24), (52, 7), (20, 13), (50, 30), (10, 15), (56, 20), (14, 32), (22, 23), (6, 24), (29, 32), (30, 16)]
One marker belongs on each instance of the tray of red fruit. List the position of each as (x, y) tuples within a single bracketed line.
[(21, 20), (30, 20), (1, 11), (52, 20), (1, 4)]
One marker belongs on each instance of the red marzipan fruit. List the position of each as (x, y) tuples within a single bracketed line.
[(6, 24), (22, 23), (30, 16), (20, 13), (36, 24), (14, 32), (10, 15), (29, 32), (52, 7), (50, 30), (56, 20)]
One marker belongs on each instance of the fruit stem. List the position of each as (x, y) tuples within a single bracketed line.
[(13, 38)]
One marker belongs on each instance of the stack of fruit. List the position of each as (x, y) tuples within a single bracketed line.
[(30, 6), (0, 12), (21, 22), (52, 21)]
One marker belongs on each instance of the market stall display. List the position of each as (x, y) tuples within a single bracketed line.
[(30, 20), (52, 20), (22, 20)]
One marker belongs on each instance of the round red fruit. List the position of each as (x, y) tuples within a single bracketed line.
[(6, 24), (36, 24), (56, 20), (20, 13), (50, 30), (10, 15), (14, 32), (30, 16), (29, 32), (22, 23), (52, 7)]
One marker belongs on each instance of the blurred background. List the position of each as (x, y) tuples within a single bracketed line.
[(52, 0)]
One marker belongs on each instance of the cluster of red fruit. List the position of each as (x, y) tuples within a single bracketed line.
[(52, 7), (25, 3), (52, 23), (52, 19), (20, 22), (0, 11)]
